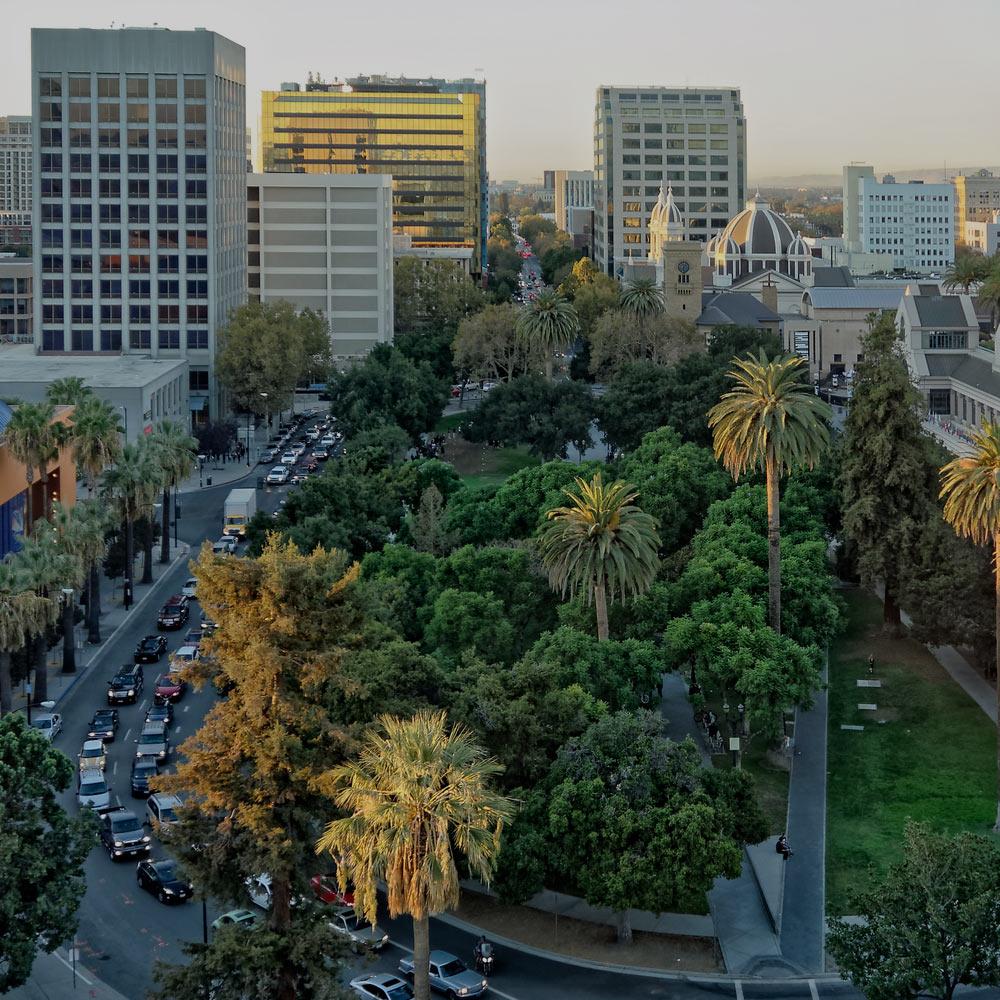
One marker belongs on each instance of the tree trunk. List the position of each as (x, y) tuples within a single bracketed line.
[(624, 927), (129, 560), (996, 585), (40, 691), (46, 499), (6, 688), (891, 618), (94, 603), (165, 527), (281, 921), (601, 606), (773, 544), (548, 367), (69, 636), (147, 552), (28, 505), (38, 649), (421, 958)]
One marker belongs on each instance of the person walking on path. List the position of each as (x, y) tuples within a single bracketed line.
[(871, 663)]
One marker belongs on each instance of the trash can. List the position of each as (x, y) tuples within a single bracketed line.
[(208, 481)]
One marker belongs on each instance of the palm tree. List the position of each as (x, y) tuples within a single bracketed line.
[(971, 490), (95, 438), (21, 611), (989, 290), (415, 793), (32, 440), (69, 391), (770, 419), (548, 324), (601, 544), (175, 451), (641, 299), (82, 533), (966, 271)]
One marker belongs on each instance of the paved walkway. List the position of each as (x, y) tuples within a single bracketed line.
[(52, 978)]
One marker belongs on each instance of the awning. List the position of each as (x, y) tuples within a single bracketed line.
[(198, 403)]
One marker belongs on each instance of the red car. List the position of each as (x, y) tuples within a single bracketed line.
[(169, 687), (325, 889)]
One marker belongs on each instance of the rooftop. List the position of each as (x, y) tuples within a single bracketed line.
[(20, 363), (734, 308), (939, 310), (855, 298)]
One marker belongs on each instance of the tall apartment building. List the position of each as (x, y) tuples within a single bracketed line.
[(913, 221), (853, 173), (15, 179), (430, 135), (574, 200), (140, 194), (324, 242), (977, 198), (692, 140), (15, 300)]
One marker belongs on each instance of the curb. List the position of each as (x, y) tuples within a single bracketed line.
[(628, 970), (184, 552)]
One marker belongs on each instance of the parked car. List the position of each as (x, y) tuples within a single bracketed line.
[(225, 545), (153, 741), (352, 925), (143, 768), (161, 879), (259, 888), (92, 756), (161, 713), (161, 811), (279, 474), (246, 919), (449, 975), (183, 656), (103, 725), (150, 648), (49, 724), (173, 614), (190, 588), (126, 686), (169, 687), (382, 986), (122, 834), (93, 792), (193, 636)]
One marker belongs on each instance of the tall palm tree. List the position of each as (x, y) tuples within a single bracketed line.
[(602, 544), (21, 610), (415, 793), (131, 485), (95, 438), (640, 299), (548, 324), (989, 290), (970, 487), (175, 451), (81, 531), (69, 391), (33, 441), (770, 419)]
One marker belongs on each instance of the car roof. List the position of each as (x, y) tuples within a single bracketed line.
[(105, 711), (167, 681), (380, 979), (190, 580), (441, 957), (176, 599), (91, 774), (93, 745), (122, 813), (152, 637), (145, 760), (185, 651), (43, 717), (153, 727), (164, 800)]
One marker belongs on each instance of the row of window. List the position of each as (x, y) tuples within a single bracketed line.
[(674, 128), (111, 288), (138, 138), (110, 163), (54, 339), (83, 312), (111, 187), (195, 213), (110, 86), (138, 239), (135, 114), (137, 264)]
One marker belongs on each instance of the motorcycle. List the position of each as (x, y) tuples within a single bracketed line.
[(485, 958)]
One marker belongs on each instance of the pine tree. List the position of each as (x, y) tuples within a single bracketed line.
[(887, 479)]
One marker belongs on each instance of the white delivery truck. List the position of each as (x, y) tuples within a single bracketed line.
[(241, 505)]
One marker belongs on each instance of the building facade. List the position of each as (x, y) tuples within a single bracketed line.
[(853, 175), (574, 201), (324, 242), (913, 221), (16, 300), (983, 236), (693, 140), (140, 196), (428, 134), (977, 198), (15, 180)]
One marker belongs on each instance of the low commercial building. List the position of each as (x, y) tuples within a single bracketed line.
[(15, 300), (984, 236), (574, 204), (144, 390), (324, 242), (403, 246)]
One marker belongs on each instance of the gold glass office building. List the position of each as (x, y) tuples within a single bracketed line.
[(430, 135)]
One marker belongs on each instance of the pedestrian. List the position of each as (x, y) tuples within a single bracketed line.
[(782, 848), (871, 663)]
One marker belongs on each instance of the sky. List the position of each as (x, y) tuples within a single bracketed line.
[(888, 82)]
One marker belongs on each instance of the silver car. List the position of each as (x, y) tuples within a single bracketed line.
[(357, 930), (93, 792), (49, 724), (153, 742), (449, 975)]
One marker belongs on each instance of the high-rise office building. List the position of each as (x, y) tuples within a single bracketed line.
[(140, 194), (15, 179), (430, 135), (574, 201), (691, 140)]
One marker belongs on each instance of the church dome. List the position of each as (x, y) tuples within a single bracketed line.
[(665, 211), (798, 247), (757, 239)]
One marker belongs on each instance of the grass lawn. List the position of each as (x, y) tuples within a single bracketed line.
[(483, 466), (450, 423), (927, 754)]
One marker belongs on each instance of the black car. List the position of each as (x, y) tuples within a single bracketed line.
[(173, 614), (122, 834), (126, 686), (150, 649), (160, 878), (103, 725), (161, 713), (143, 768)]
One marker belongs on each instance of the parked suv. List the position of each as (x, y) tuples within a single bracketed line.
[(153, 742), (173, 614), (123, 835), (126, 686)]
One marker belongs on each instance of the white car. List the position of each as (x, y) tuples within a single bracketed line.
[(92, 757), (289, 458), (49, 724), (182, 657), (382, 986), (299, 449), (93, 791), (189, 590), (361, 934), (227, 545), (328, 441), (161, 812), (259, 887), (279, 474)]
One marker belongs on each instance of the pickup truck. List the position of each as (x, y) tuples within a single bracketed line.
[(241, 505)]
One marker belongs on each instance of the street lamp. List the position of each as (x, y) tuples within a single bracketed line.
[(69, 639), (267, 414)]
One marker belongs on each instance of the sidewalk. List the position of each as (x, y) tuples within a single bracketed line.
[(52, 979)]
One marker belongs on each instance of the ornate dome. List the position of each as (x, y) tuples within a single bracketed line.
[(798, 247), (758, 239), (665, 211)]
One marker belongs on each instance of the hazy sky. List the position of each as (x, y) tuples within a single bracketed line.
[(889, 82)]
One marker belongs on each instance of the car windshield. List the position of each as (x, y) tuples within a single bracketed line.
[(92, 752), (149, 643), (124, 824), (145, 770), (452, 968), (167, 814), (146, 738), (41, 723), (92, 787), (103, 717), (165, 869), (121, 681)]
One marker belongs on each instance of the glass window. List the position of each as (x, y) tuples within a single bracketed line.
[(166, 113), (166, 138), (138, 163), (196, 215), (50, 163), (138, 215), (166, 215), (139, 339), (79, 212), (169, 340), (137, 112), (52, 288), (109, 163), (79, 111), (81, 288), (168, 263), (107, 112), (198, 380), (166, 187), (166, 86), (111, 263), (138, 263), (197, 340), (108, 138), (194, 114), (138, 137), (197, 264), (111, 313), (79, 187), (139, 239), (79, 138), (50, 86), (79, 264), (52, 212), (167, 239), (197, 189), (196, 138), (107, 86), (110, 239), (79, 163), (197, 163), (79, 86), (53, 263), (166, 163), (109, 187), (50, 111), (111, 340), (137, 86), (138, 288), (51, 137), (138, 188), (51, 187), (194, 86), (169, 287), (82, 340)]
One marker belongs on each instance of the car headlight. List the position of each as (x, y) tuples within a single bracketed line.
[(145, 840), (485, 984), (162, 753), (119, 843), (462, 992), (131, 691), (168, 891)]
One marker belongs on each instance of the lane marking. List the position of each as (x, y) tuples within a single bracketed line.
[(69, 965), (128, 733), (142, 704), (739, 990), (114, 768), (813, 992), (185, 708)]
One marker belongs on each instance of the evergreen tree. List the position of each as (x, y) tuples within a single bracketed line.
[(886, 478)]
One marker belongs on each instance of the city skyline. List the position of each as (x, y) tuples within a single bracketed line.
[(868, 104)]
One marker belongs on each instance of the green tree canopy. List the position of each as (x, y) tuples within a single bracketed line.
[(487, 345), (432, 296)]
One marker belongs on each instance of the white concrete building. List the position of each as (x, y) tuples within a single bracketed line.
[(574, 200), (913, 221), (984, 236), (324, 242), (853, 174), (140, 195), (16, 300), (15, 179), (692, 140)]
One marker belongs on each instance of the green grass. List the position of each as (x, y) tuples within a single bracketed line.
[(451, 422), (499, 465), (931, 760)]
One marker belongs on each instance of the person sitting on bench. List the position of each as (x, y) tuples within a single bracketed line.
[(782, 848)]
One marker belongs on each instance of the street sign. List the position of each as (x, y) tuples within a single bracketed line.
[(734, 744)]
